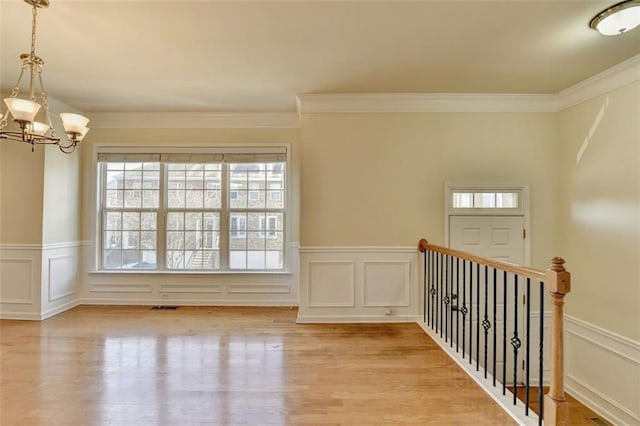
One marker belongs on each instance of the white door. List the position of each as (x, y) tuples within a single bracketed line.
[(500, 238), (495, 237)]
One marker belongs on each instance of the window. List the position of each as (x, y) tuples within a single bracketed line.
[(485, 200), (192, 212)]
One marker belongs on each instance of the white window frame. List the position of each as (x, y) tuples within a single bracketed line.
[(522, 189), (259, 149)]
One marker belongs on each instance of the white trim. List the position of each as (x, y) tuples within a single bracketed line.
[(370, 249), (613, 342), (406, 302), (586, 387), (615, 77), (59, 309), (21, 316), (425, 102), (20, 246), (189, 302), (505, 402), (619, 75), (599, 402), (333, 319), (524, 210), (194, 120), (49, 246)]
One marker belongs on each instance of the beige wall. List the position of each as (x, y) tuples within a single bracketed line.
[(599, 209), (188, 138), (378, 179), (22, 177)]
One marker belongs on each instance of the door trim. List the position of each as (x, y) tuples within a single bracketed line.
[(524, 210)]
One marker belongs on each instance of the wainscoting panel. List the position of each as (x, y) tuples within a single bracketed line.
[(331, 284), (16, 281), (603, 371), (20, 272), (386, 283), (60, 272), (149, 288), (358, 284), (62, 276)]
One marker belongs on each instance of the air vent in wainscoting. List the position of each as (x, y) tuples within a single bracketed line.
[(166, 307)]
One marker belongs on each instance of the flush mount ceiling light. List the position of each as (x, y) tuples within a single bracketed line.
[(24, 110), (617, 19)]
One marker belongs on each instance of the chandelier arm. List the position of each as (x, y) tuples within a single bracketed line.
[(68, 149)]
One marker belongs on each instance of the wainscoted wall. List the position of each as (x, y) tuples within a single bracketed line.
[(358, 284), (148, 288), (38, 281), (602, 370)]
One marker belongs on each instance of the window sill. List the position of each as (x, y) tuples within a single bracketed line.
[(190, 273)]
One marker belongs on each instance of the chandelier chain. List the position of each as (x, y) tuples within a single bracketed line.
[(34, 14)]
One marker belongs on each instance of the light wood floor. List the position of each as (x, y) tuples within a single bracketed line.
[(203, 365)]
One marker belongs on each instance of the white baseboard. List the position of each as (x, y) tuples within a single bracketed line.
[(22, 316), (188, 302), (614, 395), (329, 319), (59, 309)]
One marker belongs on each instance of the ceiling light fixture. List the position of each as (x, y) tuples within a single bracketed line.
[(617, 19), (24, 111)]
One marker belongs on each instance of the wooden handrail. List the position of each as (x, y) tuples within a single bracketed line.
[(557, 282), (503, 266)]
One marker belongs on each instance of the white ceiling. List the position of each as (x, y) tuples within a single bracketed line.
[(242, 56)]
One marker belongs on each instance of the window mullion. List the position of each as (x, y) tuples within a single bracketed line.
[(224, 217), (161, 233)]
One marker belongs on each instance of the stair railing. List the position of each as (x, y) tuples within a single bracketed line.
[(472, 306)]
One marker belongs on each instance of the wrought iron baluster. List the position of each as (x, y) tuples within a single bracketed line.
[(495, 323), (432, 290), (457, 304), (441, 292), (478, 317), (437, 290), (470, 312), (424, 287), (464, 310), (486, 324), (540, 357), (515, 340), (504, 332), (451, 302), (526, 365), (447, 299)]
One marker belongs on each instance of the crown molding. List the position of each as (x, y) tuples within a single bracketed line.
[(620, 75), (425, 102), (193, 120)]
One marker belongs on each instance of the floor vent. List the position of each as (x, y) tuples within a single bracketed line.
[(598, 421), (166, 307)]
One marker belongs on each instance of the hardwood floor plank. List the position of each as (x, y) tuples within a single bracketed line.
[(123, 365)]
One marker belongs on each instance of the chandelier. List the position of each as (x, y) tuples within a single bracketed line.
[(24, 110)]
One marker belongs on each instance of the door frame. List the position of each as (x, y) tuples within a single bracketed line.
[(523, 210)]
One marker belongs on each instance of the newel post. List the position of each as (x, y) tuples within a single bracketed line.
[(558, 283)]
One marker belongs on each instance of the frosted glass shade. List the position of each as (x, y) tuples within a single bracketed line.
[(38, 129), (83, 133), (73, 123), (618, 22), (22, 109)]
